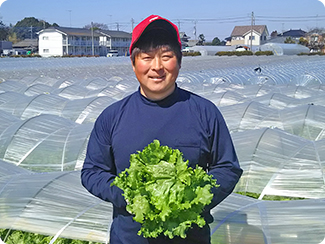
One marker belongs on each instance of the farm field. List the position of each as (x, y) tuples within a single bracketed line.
[(276, 116)]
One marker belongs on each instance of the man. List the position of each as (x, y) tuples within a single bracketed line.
[(158, 110)]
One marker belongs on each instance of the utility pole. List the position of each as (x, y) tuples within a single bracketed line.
[(70, 16), (194, 32), (92, 39), (252, 24), (110, 21), (132, 24), (117, 26), (31, 32)]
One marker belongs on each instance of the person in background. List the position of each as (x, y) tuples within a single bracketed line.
[(158, 110)]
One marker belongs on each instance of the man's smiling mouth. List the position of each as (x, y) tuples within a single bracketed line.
[(157, 77)]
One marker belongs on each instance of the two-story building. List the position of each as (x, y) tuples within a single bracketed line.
[(249, 35), (114, 40), (60, 41)]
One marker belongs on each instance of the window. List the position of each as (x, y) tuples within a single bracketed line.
[(251, 37), (46, 50), (45, 38)]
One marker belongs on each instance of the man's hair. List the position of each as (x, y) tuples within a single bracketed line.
[(156, 39)]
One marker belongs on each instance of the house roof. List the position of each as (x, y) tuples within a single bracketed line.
[(113, 33), (26, 43), (293, 33), (71, 31), (242, 30), (277, 39)]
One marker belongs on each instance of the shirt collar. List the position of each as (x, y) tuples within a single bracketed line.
[(166, 102)]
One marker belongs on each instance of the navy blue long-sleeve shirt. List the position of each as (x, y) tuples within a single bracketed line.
[(184, 121)]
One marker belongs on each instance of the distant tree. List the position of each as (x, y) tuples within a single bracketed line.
[(4, 31), (274, 34), (316, 30), (97, 26), (13, 37), (201, 40), (28, 27), (216, 42), (303, 41), (223, 43), (289, 40)]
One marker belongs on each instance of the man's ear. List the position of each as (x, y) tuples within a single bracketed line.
[(132, 63)]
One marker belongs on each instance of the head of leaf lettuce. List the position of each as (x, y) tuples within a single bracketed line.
[(163, 193)]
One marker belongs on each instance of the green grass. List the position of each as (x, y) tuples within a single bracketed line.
[(22, 237), (269, 197)]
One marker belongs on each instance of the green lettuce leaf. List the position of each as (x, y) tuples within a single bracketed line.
[(163, 193)]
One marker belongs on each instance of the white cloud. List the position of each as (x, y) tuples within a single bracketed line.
[(322, 1), (1, 2)]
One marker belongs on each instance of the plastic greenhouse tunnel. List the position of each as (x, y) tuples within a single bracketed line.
[(276, 118)]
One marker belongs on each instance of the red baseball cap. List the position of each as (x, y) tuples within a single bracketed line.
[(154, 22)]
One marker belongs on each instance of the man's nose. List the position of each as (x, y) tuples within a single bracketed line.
[(157, 63)]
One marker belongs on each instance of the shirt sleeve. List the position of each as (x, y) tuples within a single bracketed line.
[(99, 170), (224, 165)]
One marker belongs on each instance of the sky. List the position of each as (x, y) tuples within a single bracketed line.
[(212, 18)]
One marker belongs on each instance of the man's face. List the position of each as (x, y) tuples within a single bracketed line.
[(157, 72)]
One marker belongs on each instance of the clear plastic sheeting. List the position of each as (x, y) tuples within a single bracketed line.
[(84, 111), (52, 204), (40, 104), (56, 204), (250, 115), (14, 103), (8, 169), (12, 85), (210, 50), (279, 163), (78, 110), (275, 115), (307, 121), (45, 143), (244, 220), (284, 48)]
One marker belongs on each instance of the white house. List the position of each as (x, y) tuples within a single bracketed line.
[(242, 35), (114, 40), (59, 41)]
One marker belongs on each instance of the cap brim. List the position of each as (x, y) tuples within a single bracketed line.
[(155, 23)]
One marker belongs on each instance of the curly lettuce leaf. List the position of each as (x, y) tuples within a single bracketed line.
[(163, 193)]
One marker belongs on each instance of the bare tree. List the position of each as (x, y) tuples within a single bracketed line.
[(97, 26)]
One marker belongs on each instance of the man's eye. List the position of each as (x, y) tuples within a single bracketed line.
[(146, 57), (167, 56)]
